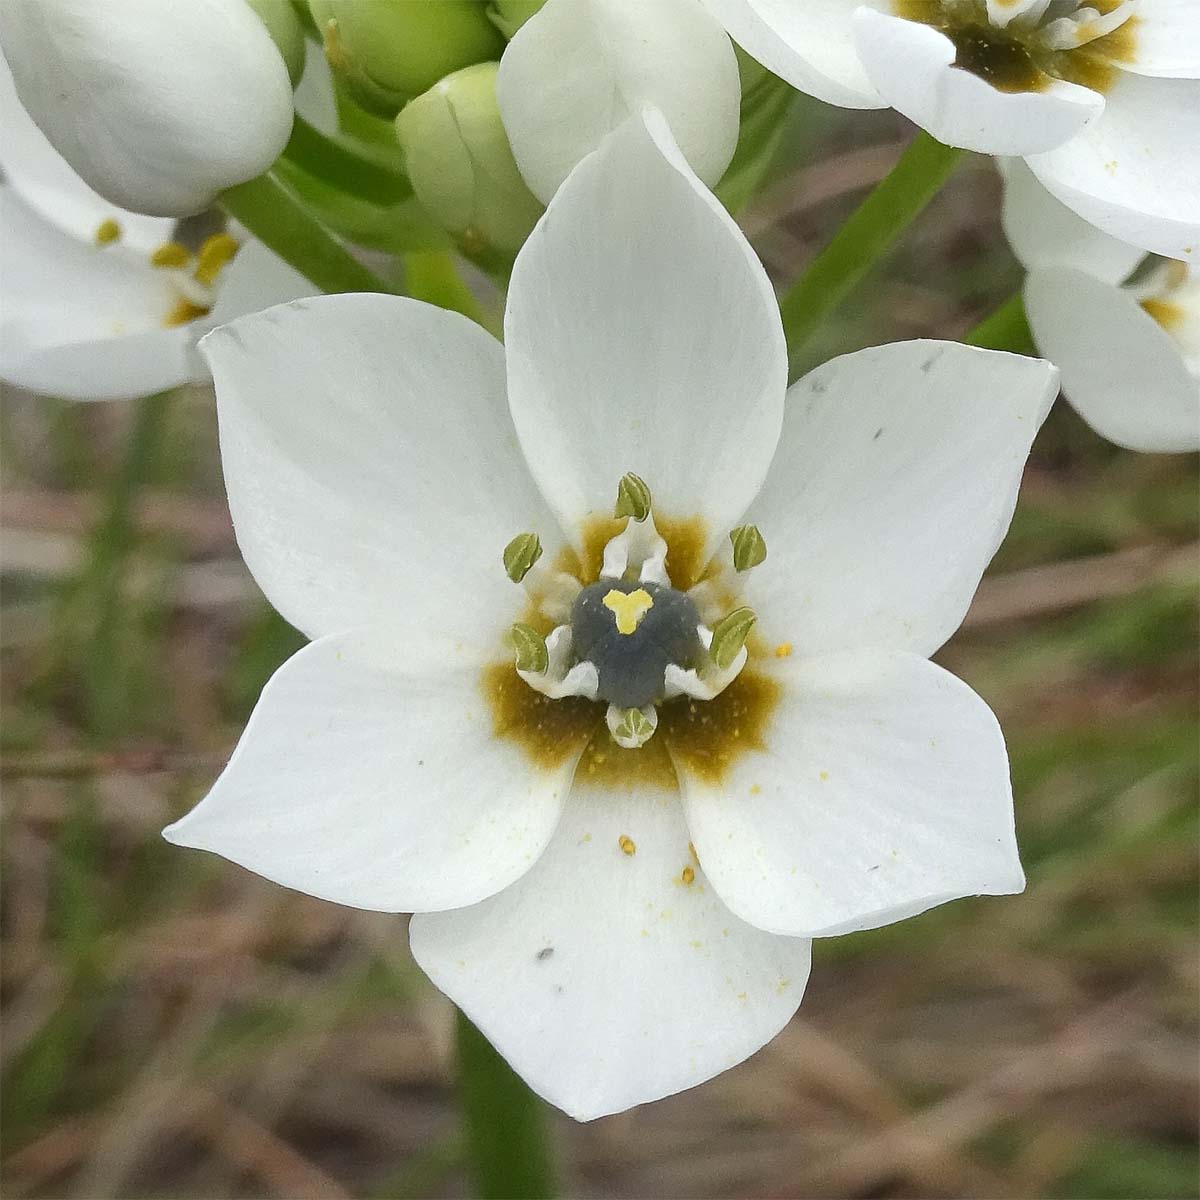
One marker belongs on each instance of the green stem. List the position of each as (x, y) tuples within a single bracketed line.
[(432, 276), (278, 219), (505, 1129), (893, 205), (1005, 329), (336, 163)]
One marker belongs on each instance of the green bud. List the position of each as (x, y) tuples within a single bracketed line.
[(279, 16), (633, 498), (387, 51), (730, 636), (520, 554), (509, 15), (462, 168), (530, 647), (749, 548)]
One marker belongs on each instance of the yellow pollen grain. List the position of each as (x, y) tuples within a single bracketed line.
[(627, 844), (183, 311), (215, 252), (756, 789), (783, 650), (688, 876), (170, 254), (628, 609), (824, 776), (107, 232)]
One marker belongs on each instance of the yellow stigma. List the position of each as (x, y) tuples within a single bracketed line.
[(183, 311), (215, 252), (627, 844), (628, 609), (170, 254), (107, 232)]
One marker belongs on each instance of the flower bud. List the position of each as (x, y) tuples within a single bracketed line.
[(509, 15), (387, 51), (461, 166), (287, 32), (158, 106)]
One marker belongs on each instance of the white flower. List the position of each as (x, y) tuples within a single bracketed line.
[(85, 314), (1129, 352), (1102, 97), (621, 923), (157, 105), (577, 69)]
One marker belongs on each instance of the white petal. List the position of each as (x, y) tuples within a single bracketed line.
[(810, 44), (1167, 39), (1120, 369), (1135, 173), (1043, 232), (895, 482), (372, 469), (883, 791), (42, 178), (602, 977), (369, 775), (256, 279), (643, 335), (577, 69), (157, 106), (911, 64), (81, 322)]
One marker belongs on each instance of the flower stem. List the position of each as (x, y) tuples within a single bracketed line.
[(432, 276), (505, 1126), (1005, 329), (281, 222), (336, 163), (893, 205)]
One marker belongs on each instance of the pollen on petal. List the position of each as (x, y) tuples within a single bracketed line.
[(688, 876), (627, 844), (783, 650)]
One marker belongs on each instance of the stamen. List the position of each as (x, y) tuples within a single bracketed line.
[(633, 498), (628, 608), (749, 548), (730, 636), (183, 311), (520, 554), (107, 232), (638, 550), (170, 254), (215, 253), (631, 728), (530, 648)]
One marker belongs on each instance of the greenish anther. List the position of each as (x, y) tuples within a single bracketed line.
[(749, 547), (530, 646), (633, 726), (730, 636), (633, 498), (520, 554)]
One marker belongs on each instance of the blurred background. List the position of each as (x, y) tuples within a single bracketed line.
[(174, 1026)]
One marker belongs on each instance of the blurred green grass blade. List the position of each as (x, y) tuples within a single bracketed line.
[(505, 1126)]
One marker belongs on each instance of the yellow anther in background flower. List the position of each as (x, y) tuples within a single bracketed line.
[(107, 232), (627, 844), (170, 254), (183, 311), (628, 608), (215, 253)]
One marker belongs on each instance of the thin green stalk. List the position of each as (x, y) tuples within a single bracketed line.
[(281, 222), (864, 239), (432, 276), (1005, 329), (336, 163), (505, 1127)]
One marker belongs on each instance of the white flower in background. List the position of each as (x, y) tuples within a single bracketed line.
[(97, 303), (577, 69), (1102, 97), (1129, 352), (157, 106), (617, 848)]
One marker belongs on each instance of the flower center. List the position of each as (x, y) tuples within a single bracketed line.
[(1022, 45), (611, 653)]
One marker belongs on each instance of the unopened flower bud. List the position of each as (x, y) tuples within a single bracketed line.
[(633, 498), (509, 15), (284, 25), (387, 51), (461, 166), (158, 106), (730, 636)]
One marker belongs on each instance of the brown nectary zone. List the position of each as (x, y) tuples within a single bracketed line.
[(706, 736), (1008, 63)]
